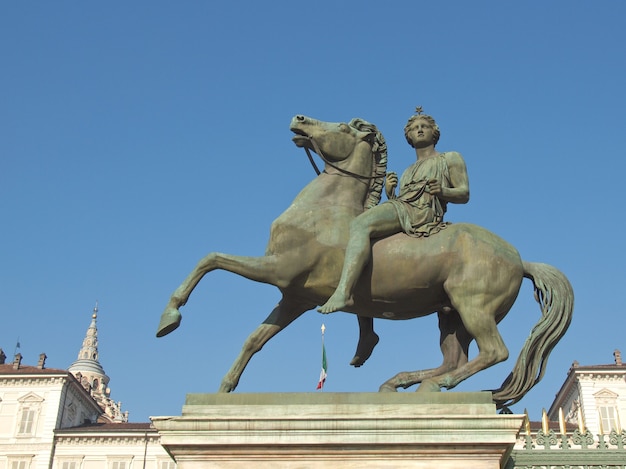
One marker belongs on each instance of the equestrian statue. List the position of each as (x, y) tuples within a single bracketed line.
[(336, 248)]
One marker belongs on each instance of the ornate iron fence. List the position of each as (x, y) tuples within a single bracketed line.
[(577, 450)]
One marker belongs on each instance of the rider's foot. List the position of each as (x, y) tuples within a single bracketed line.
[(364, 349), (336, 302)]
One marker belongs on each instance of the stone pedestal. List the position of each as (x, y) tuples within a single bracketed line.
[(339, 430)]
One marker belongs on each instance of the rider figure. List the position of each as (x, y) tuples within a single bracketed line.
[(425, 189)]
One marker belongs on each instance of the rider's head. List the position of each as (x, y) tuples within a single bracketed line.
[(427, 118)]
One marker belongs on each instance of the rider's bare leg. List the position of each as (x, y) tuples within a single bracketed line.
[(377, 222), (367, 341)]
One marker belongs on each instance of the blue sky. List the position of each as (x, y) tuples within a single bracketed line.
[(139, 136)]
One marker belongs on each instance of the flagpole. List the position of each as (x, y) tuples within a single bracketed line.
[(323, 328), (322, 380)]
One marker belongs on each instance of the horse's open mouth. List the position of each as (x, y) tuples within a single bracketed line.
[(301, 139)]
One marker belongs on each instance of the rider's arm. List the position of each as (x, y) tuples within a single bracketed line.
[(458, 193), (391, 181)]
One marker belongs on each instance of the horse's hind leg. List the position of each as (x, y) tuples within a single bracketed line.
[(261, 269), (454, 342), (282, 315), (479, 319)]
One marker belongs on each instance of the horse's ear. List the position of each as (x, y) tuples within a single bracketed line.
[(367, 136)]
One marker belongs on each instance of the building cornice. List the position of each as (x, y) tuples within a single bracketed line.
[(33, 380), (615, 375), (121, 434)]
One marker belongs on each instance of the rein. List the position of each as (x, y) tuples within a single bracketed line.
[(317, 150)]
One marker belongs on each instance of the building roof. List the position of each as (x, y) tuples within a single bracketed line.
[(9, 369), (552, 425), (619, 368), (141, 427)]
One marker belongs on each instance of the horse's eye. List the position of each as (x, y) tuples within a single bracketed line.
[(344, 127)]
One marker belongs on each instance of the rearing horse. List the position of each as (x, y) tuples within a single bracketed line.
[(467, 275)]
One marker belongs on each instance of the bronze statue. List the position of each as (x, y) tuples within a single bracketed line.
[(465, 274), (425, 190)]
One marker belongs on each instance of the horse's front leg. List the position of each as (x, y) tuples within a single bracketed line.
[(261, 269), (282, 315)]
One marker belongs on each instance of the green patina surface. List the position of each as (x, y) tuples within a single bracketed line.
[(465, 274)]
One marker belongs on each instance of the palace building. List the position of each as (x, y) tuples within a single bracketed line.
[(66, 419), (595, 395)]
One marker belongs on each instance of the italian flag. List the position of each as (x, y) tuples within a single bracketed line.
[(320, 384)]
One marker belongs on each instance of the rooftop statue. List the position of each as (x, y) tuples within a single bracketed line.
[(408, 263)]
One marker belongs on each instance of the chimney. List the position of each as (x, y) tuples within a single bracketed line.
[(42, 361), (17, 361), (618, 357), (3, 357)]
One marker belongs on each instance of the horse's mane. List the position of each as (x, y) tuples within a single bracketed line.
[(379, 152)]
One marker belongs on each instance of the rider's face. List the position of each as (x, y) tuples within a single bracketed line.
[(422, 133)]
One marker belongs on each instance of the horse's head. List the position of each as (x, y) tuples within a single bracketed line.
[(335, 140)]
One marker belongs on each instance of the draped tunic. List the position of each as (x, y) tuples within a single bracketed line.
[(421, 213)]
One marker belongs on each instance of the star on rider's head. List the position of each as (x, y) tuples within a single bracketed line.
[(419, 110)]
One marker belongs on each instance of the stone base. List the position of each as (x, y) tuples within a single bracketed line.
[(347, 430)]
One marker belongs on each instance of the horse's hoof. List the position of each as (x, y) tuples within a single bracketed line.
[(387, 388), (226, 387), (428, 386), (170, 320), (364, 349)]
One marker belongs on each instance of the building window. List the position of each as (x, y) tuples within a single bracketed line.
[(608, 418), (30, 407), (606, 403), (19, 464), (70, 463), (119, 465), (27, 421)]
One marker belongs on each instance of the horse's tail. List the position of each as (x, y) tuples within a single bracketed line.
[(555, 296)]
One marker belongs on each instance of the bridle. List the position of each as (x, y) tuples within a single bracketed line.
[(317, 150)]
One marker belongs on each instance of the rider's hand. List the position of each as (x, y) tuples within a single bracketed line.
[(391, 181), (433, 186)]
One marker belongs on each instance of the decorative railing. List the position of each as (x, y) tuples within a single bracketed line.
[(578, 450)]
